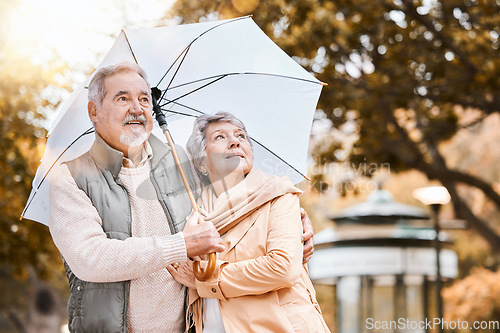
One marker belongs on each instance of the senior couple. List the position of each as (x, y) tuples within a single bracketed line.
[(121, 218)]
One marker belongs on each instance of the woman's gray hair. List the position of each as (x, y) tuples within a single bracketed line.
[(197, 141), (96, 91)]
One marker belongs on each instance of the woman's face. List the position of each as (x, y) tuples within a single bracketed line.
[(228, 152)]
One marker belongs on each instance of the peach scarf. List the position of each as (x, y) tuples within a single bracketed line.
[(238, 202)]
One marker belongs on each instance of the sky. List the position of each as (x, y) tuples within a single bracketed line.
[(78, 32)]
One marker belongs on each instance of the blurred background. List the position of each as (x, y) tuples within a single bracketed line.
[(413, 100)]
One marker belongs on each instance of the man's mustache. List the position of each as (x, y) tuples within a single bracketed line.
[(130, 118)]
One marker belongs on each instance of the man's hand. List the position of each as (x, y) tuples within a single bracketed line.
[(307, 236), (201, 238)]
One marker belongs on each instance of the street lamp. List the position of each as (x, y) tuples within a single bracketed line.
[(435, 197)]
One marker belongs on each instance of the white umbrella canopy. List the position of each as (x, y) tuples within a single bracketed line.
[(228, 65)]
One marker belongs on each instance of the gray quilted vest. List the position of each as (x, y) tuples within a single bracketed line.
[(102, 307)]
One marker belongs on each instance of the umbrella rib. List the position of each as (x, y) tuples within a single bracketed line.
[(194, 40), (184, 52), (195, 90), (282, 160), (90, 130), (130, 47), (246, 73), (184, 106), (185, 114), (220, 77), (176, 71)]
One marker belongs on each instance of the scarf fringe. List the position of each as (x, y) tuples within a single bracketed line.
[(194, 316)]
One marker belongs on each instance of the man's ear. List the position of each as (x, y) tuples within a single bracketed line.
[(92, 109)]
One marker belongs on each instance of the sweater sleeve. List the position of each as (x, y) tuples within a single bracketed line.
[(279, 268), (76, 229)]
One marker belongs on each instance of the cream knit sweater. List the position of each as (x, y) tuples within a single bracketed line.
[(156, 302)]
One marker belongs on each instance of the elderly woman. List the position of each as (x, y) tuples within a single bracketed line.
[(259, 284)]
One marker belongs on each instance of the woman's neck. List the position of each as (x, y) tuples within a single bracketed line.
[(225, 183)]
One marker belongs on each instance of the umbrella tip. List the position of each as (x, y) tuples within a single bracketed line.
[(250, 16), (307, 178), (324, 84)]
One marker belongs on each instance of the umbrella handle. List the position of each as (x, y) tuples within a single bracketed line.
[(204, 274), (199, 273)]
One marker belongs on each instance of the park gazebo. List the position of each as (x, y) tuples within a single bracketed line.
[(380, 258)]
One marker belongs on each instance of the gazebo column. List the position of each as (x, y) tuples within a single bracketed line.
[(399, 298), (425, 303)]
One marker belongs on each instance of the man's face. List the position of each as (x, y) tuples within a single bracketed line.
[(124, 119)]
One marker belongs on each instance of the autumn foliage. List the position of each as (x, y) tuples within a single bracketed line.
[(475, 298)]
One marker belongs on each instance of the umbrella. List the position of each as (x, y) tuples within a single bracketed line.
[(227, 65)]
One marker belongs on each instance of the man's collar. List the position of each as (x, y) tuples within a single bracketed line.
[(112, 159), (107, 157), (159, 148), (146, 154)]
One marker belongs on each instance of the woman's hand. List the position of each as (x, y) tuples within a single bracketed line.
[(183, 273)]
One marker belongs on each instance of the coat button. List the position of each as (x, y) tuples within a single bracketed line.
[(214, 290), (79, 288)]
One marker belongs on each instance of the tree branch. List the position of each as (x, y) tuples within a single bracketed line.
[(462, 211), (437, 169), (458, 176), (485, 106)]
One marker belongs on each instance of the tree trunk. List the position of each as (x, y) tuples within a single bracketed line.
[(449, 178), (463, 211)]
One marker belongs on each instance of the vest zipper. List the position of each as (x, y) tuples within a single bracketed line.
[(119, 183), (126, 285), (127, 292)]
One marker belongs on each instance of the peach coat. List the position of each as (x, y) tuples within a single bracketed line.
[(260, 281)]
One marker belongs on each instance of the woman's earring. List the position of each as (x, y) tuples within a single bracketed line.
[(205, 173)]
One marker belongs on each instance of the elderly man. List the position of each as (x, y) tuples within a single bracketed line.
[(119, 213)]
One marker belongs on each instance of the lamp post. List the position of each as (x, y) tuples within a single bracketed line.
[(435, 197)]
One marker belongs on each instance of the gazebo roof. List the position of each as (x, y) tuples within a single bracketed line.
[(379, 207)]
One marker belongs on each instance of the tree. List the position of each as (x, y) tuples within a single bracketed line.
[(27, 92), (475, 299), (404, 72)]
